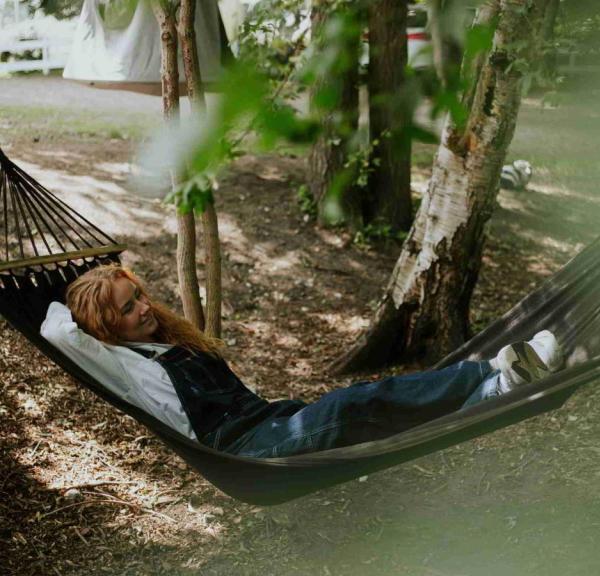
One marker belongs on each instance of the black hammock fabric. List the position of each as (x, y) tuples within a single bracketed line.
[(568, 304)]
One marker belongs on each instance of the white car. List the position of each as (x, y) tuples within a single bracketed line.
[(419, 40)]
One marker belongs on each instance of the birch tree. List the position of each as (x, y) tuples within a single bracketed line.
[(424, 310)]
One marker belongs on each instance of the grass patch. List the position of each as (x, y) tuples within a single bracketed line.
[(18, 122), (569, 161)]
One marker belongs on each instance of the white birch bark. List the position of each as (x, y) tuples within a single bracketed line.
[(425, 307)]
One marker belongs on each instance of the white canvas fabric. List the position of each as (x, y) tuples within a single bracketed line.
[(127, 48)]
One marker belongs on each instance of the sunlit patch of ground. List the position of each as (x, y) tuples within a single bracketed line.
[(102, 201)]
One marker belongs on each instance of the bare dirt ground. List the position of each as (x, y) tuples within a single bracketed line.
[(519, 501)]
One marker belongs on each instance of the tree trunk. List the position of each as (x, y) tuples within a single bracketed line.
[(186, 230), (549, 64), (550, 19), (169, 68), (389, 199), (213, 270), (210, 223), (447, 51), (425, 307), (189, 52), (329, 154), (486, 14)]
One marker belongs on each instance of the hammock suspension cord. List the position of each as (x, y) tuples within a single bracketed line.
[(40, 228)]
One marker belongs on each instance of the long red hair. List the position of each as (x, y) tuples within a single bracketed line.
[(90, 299)]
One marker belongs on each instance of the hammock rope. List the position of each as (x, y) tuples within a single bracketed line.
[(568, 303), (39, 228)]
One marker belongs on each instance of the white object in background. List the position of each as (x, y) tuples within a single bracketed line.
[(46, 37), (516, 176), (418, 38), (45, 63), (128, 50), (233, 13)]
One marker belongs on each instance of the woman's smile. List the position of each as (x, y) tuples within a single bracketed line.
[(138, 322), (150, 319)]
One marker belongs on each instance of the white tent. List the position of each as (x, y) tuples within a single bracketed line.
[(117, 43)]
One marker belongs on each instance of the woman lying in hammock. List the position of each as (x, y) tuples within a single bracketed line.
[(160, 363)]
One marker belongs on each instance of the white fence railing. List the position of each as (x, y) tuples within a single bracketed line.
[(53, 56)]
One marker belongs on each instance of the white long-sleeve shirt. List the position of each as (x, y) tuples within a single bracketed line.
[(138, 380)]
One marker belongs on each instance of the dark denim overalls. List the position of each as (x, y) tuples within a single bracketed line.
[(227, 416)]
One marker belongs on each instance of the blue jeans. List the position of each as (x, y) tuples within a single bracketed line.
[(368, 411)]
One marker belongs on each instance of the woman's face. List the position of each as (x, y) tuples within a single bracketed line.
[(138, 323)]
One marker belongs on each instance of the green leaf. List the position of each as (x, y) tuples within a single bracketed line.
[(328, 97), (282, 122), (479, 38), (422, 134)]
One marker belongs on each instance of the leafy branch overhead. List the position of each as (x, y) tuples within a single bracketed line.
[(277, 62)]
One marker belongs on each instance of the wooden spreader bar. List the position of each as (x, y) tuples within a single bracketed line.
[(63, 257)]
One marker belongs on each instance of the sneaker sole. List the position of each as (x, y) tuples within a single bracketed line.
[(527, 364)]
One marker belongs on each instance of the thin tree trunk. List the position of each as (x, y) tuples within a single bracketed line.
[(447, 51), (186, 270), (186, 230), (327, 160), (189, 52), (213, 270), (550, 19), (389, 199), (169, 67), (425, 307), (329, 154), (549, 64), (210, 223)]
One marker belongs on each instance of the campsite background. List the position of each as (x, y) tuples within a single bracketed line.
[(85, 490)]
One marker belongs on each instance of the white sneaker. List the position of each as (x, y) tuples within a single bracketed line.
[(524, 362)]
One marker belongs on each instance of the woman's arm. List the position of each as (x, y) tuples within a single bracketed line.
[(126, 373), (90, 354)]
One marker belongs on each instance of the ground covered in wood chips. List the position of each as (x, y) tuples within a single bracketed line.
[(86, 490)]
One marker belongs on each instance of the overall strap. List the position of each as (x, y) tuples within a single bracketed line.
[(150, 354)]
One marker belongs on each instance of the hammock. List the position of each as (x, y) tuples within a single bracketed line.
[(117, 44), (54, 245)]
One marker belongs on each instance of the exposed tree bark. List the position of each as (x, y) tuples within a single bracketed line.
[(389, 199), (330, 152), (425, 307), (486, 14), (169, 68), (213, 270), (186, 230), (189, 52), (210, 223)]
